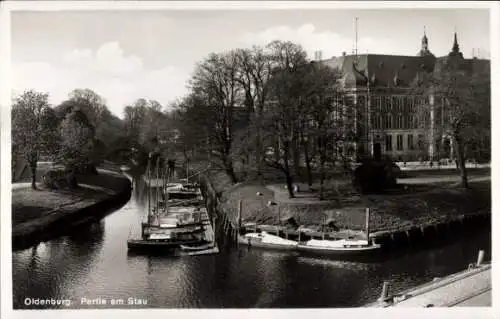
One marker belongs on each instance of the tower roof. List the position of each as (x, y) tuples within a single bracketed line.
[(424, 50), (455, 50)]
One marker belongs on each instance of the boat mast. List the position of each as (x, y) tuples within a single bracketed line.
[(166, 188), (157, 211), (149, 186), (367, 212)]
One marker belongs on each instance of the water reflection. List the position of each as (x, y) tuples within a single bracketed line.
[(93, 262)]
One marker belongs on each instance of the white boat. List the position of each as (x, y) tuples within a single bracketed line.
[(266, 240), (339, 246)]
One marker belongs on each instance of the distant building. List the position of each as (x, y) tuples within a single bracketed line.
[(382, 106)]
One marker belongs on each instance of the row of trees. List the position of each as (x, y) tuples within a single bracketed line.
[(79, 132), (263, 107), (269, 106), (247, 110)]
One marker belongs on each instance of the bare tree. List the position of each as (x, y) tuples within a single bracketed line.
[(32, 132), (254, 72), (289, 66), (461, 95), (324, 114), (215, 80)]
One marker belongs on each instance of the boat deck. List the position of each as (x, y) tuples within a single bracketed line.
[(464, 289)]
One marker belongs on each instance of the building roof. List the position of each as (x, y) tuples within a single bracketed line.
[(393, 71), (396, 71), (381, 70)]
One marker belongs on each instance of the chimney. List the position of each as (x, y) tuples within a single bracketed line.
[(343, 53), (320, 55)]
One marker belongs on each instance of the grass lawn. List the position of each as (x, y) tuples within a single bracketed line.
[(29, 204), (420, 202)]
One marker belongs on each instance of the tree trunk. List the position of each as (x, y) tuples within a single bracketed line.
[(289, 184), (296, 158), (258, 151), (228, 166), (277, 151), (33, 164), (461, 161), (286, 170), (308, 166), (322, 179)]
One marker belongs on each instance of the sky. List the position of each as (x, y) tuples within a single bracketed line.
[(126, 55)]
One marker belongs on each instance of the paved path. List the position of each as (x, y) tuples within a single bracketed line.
[(281, 193), (441, 179), (96, 188)]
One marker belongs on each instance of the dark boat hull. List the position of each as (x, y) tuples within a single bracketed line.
[(341, 252), (138, 245)]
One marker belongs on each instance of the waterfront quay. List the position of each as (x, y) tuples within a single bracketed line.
[(54, 269), (415, 214), (467, 288)]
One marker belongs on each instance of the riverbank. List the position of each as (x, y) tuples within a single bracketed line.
[(412, 205), (38, 215)]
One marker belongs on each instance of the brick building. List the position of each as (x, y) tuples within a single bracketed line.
[(382, 106)]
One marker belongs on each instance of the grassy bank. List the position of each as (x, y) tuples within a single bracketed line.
[(38, 214), (415, 204), (29, 204)]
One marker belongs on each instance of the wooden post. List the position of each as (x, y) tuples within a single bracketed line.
[(279, 215), (367, 225), (480, 258), (279, 222), (240, 207), (323, 228), (385, 291), (299, 234)]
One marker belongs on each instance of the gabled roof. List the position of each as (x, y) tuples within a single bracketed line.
[(381, 70)]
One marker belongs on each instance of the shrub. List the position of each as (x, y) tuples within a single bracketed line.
[(375, 176), (55, 178)]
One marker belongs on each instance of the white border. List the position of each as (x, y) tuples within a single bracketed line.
[(5, 189)]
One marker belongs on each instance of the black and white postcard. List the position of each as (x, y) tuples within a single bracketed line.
[(314, 158)]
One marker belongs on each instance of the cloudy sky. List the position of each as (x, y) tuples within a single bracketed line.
[(125, 55)]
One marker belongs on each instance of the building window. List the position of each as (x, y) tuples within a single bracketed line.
[(399, 142), (400, 122), (388, 121), (376, 122), (388, 142), (420, 142), (410, 142), (411, 123)]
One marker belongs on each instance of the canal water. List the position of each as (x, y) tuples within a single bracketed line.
[(91, 268)]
